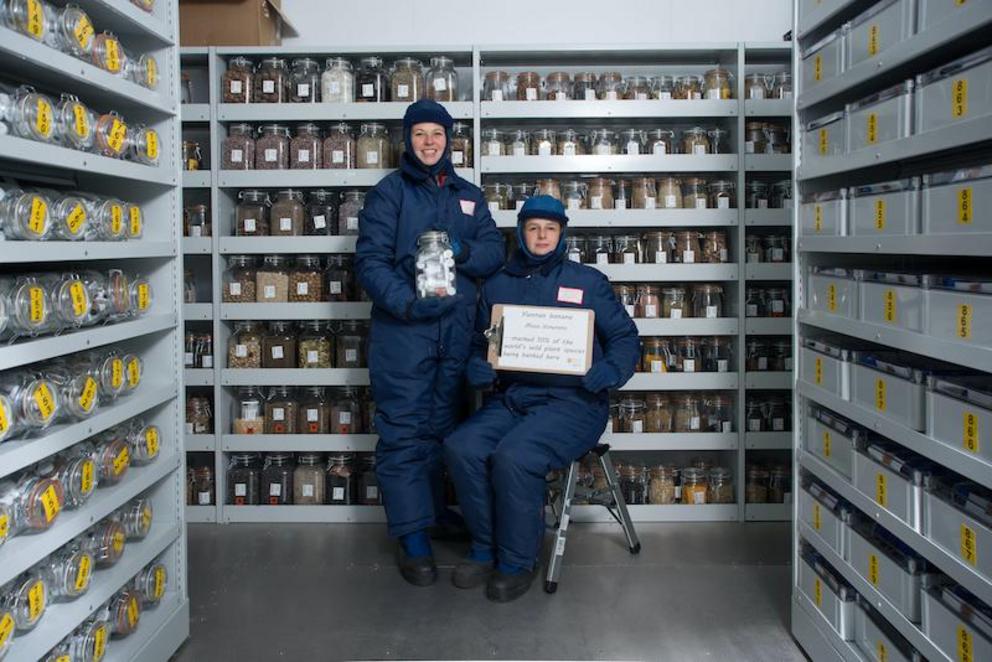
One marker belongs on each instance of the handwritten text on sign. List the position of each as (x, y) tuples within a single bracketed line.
[(545, 339)]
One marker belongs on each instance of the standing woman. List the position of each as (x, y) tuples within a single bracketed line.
[(418, 348)]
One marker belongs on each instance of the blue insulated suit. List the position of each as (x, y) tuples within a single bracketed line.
[(534, 423), (417, 367)]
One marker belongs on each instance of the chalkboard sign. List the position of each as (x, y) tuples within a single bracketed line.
[(542, 339)]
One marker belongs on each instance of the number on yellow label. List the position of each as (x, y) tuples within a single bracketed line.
[(4, 423), (832, 298), (81, 122), (817, 516), (4, 527), (881, 652), (818, 592), (36, 19), (881, 490), (144, 296), (122, 461), (43, 120), (146, 518), (117, 540), (824, 142), (965, 315), (966, 646), (889, 313), (116, 219), (969, 546), (50, 503), (151, 441), (151, 144), (133, 373), (873, 569), (99, 643), (39, 214), (76, 218), (86, 480), (159, 589), (818, 371), (118, 132), (873, 40), (880, 215), (965, 201), (6, 628), (83, 32), (112, 56), (959, 97), (818, 67), (77, 293), (151, 72), (44, 400), (880, 403), (36, 297), (88, 397), (83, 573), (117, 373), (36, 600), (132, 611), (827, 444), (872, 132), (817, 218), (135, 218), (969, 431)]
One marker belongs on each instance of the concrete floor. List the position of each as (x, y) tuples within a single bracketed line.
[(331, 592)]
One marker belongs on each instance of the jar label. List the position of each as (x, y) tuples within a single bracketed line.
[(832, 298), (749, 147), (757, 92), (334, 87), (151, 442), (86, 482), (372, 158), (159, 589), (824, 146), (970, 431), (134, 213), (207, 361), (688, 365), (637, 427), (43, 120), (633, 148), (234, 289), (268, 87), (650, 203), (778, 424), (88, 396), (699, 150), (754, 425), (77, 292), (650, 310), (751, 310), (38, 215), (122, 461), (80, 123), (457, 158), (344, 418), (871, 130), (873, 569), (303, 90), (440, 85), (675, 313), (544, 149), (236, 87), (493, 206), (713, 95), (302, 289), (275, 490), (723, 202), (36, 600), (371, 493), (132, 611), (50, 503), (4, 425), (631, 310), (402, 91), (519, 150), (335, 287), (151, 73), (117, 373), (308, 489), (602, 258), (44, 400), (6, 627), (531, 94), (964, 317), (712, 312), (204, 498), (665, 96), (313, 415), (278, 414), (250, 225), (762, 363), (777, 306), (658, 366), (881, 490), (368, 90), (112, 56), (873, 32), (629, 258), (659, 149), (966, 645), (319, 222), (778, 255), (116, 219), (337, 494), (879, 215), (611, 95), (700, 203), (688, 257), (817, 517), (889, 307), (818, 67), (236, 156), (269, 292), (240, 489), (722, 365), (36, 19), (271, 155), (285, 225), (969, 545), (277, 352), (595, 202), (116, 136), (351, 355), (965, 198), (83, 572), (303, 155), (493, 148), (313, 356)]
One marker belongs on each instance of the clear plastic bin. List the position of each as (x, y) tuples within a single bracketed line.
[(891, 208), (954, 619), (893, 299), (959, 309), (888, 565), (880, 118), (833, 291), (829, 593), (931, 12), (950, 200), (886, 384), (957, 92), (893, 478), (825, 137), (879, 28), (826, 513), (877, 639), (824, 60), (832, 439), (827, 366), (824, 214), (959, 413), (958, 518)]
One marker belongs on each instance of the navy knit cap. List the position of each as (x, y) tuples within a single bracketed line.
[(426, 110), (418, 112)]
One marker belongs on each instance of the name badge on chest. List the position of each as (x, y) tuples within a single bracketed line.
[(468, 207), (570, 295)]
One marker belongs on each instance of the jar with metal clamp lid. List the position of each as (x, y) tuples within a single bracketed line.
[(108, 54), (136, 518), (435, 265), (145, 441), (32, 18), (67, 572), (25, 215), (30, 114), (26, 599), (150, 583), (112, 135), (75, 123)]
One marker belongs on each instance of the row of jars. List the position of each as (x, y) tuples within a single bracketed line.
[(761, 195), (649, 301), (767, 138), (308, 479), (35, 116), (686, 354), (309, 344), (767, 301), (198, 350), (304, 410), (290, 213), (48, 215), (596, 192), (279, 279), (31, 500), (660, 247), (666, 484), (776, 85), (196, 221), (671, 411), (774, 248), (37, 304), (716, 83), (70, 30), (771, 484), (768, 413), (604, 142), (768, 354), (302, 80)]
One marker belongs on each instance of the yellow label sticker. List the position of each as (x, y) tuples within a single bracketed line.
[(151, 143), (817, 516), (881, 490), (122, 461), (116, 219), (817, 218), (889, 311), (873, 569), (133, 373), (818, 592), (6, 628), (4, 526), (118, 132), (83, 573), (4, 423), (969, 431), (827, 444), (117, 373), (873, 40), (63, 658), (38, 214), (872, 133), (151, 72), (88, 396), (132, 611), (969, 546), (880, 215), (192, 164), (965, 201), (36, 297), (832, 298), (152, 441), (966, 645), (818, 67), (77, 293), (824, 142), (134, 218), (83, 31), (881, 652), (86, 480), (99, 643), (959, 97), (112, 56), (959, 3), (146, 518), (880, 404), (117, 541), (36, 19), (144, 296), (43, 120), (159, 589), (81, 123), (36, 600), (50, 503), (76, 218), (44, 400), (818, 371), (965, 315)]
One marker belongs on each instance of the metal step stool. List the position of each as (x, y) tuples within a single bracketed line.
[(560, 496)]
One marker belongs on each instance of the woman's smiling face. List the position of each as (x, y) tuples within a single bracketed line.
[(428, 140)]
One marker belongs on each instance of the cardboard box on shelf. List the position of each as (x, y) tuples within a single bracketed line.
[(232, 23)]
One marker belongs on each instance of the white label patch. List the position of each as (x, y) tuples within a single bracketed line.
[(468, 207), (570, 295)]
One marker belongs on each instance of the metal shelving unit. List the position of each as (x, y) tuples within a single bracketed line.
[(964, 29)]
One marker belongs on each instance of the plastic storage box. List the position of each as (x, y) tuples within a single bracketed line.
[(893, 478), (891, 208), (957, 92), (958, 201), (825, 513), (892, 299), (833, 439), (932, 12), (960, 309), (958, 623), (958, 518), (959, 413), (884, 383), (824, 214), (880, 118), (823, 60), (829, 593), (888, 565), (825, 137), (832, 290), (877, 639), (881, 27), (826, 365)]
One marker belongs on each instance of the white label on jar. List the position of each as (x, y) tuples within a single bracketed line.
[(337, 156), (713, 95), (368, 90), (303, 288), (402, 91), (762, 363), (313, 415), (723, 255), (676, 313), (678, 492), (749, 147), (728, 426), (611, 95), (313, 356), (335, 287), (620, 203), (519, 150), (641, 96), (497, 95), (688, 257), (631, 310), (568, 149), (235, 289), (236, 87), (699, 150), (659, 149), (601, 150), (196, 231), (637, 427), (788, 364), (722, 365), (319, 222), (786, 94), (237, 155), (696, 96), (695, 423), (493, 148), (278, 414), (203, 498), (285, 224), (688, 365), (241, 489), (531, 94), (575, 203), (277, 352), (698, 498), (457, 158), (712, 312), (660, 257), (544, 149), (657, 366), (665, 96), (602, 258), (633, 148), (650, 310), (723, 202), (334, 87), (268, 86), (778, 255), (700, 203), (350, 355), (269, 292), (308, 489), (440, 85), (590, 94), (372, 158), (207, 361), (650, 203), (520, 204), (188, 359), (493, 206), (757, 93), (754, 425), (778, 306), (271, 155), (344, 418), (303, 155), (337, 494), (752, 310), (303, 90), (275, 489), (671, 202), (778, 424), (241, 351), (249, 225), (629, 258), (762, 203), (754, 257), (351, 223), (371, 493)]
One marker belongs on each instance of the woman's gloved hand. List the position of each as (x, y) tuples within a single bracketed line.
[(479, 372), (601, 376), (423, 310)]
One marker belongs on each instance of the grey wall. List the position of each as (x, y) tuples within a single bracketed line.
[(534, 22)]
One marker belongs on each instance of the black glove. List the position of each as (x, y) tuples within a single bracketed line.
[(431, 308)]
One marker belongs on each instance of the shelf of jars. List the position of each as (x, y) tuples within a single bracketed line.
[(330, 514), (605, 109), (634, 218), (148, 19), (351, 310), (670, 513), (768, 380), (625, 163), (768, 512), (201, 514), (12, 252), (198, 312), (286, 245), (682, 381), (324, 112), (196, 179), (668, 272), (44, 155), (300, 443), (195, 112), (721, 326), (295, 377), (199, 443), (665, 441), (768, 107), (768, 440), (768, 271), (310, 178), (978, 244), (768, 217), (768, 162), (198, 377), (197, 245)]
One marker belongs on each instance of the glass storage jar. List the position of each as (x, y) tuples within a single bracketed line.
[(346, 411), (461, 145), (781, 87), (661, 490), (340, 278), (660, 142), (548, 186), (236, 82), (776, 248), (633, 483), (757, 195), (518, 143), (648, 301), (113, 457), (112, 137), (349, 344), (695, 141), (76, 470), (610, 86), (406, 80), (244, 479), (150, 584), (314, 345), (625, 294), (688, 415), (688, 88), (352, 203), (714, 245), (558, 85), (306, 280), (632, 142), (192, 155), (145, 145), (626, 249), (694, 486), (600, 248), (337, 82), (277, 479), (442, 79), (603, 142), (707, 301), (199, 419), (720, 412), (108, 54), (575, 249), (272, 147), (32, 18), (658, 413), (25, 215), (778, 302), (271, 81), (781, 197), (435, 265), (687, 247), (282, 411), (644, 192), (569, 143), (694, 193), (662, 87), (368, 485), (31, 115), (584, 86), (778, 415), (778, 139), (718, 84), (238, 148), (722, 194), (26, 598), (600, 193), (574, 194), (497, 196), (669, 194), (779, 485), (340, 481), (67, 572), (637, 88), (373, 148), (304, 81), (756, 415), (756, 86), (143, 70), (658, 247), (136, 518), (753, 248), (716, 354), (721, 487), (719, 141), (497, 86), (673, 303), (371, 82), (339, 150), (75, 123), (542, 142), (320, 213), (272, 280), (305, 151), (28, 306), (519, 194), (125, 613), (756, 487), (655, 355), (493, 143), (287, 214), (244, 348), (239, 279), (687, 355), (632, 415), (529, 86), (308, 480), (314, 411), (755, 141), (145, 441), (780, 356), (278, 349), (755, 302), (248, 415)]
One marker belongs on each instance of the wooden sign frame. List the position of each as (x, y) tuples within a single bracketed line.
[(496, 341)]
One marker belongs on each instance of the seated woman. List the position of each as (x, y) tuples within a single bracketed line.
[(533, 423)]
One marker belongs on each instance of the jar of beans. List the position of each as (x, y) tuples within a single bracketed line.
[(277, 479), (716, 354), (321, 212), (694, 193), (315, 411), (306, 280), (721, 486), (244, 478), (244, 348), (626, 295), (346, 416), (648, 301), (695, 141), (661, 489), (442, 79), (655, 355), (340, 278), (373, 147), (461, 145), (271, 81), (610, 86), (721, 194), (714, 244), (340, 479), (287, 214), (350, 344), (687, 247), (236, 83), (314, 346), (272, 280), (569, 143), (657, 413), (600, 193), (339, 149), (272, 147), (281, 411), (689, 88), (239, 279), (663, 88), (309, 488), (238, 148), (645, 191), (371, 81), (305, 81), (279, 346), (497, 86), (305, 152), (251, 215), (248, 414), (351, 205), (674, 304)]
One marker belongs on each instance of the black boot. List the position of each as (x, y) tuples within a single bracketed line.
[(419, 571), (505, 588), (470, 573)]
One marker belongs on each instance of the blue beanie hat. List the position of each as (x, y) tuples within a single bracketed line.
[(543, 206), (426, 110)]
